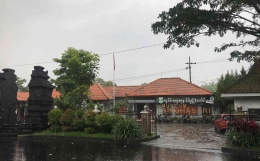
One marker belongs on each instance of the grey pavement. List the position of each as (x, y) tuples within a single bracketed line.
[(188, 136)]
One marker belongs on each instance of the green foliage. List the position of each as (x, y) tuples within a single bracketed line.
[(223, 83), (89, 130), (79, 113), (54, 116), (55, 128), (91, 105), (90, 118), (179, 119), (211, 86), (104, 83), (99, 107), (77, 72), (190, 19), (173, 119), (79, 124), (19, 83), (66, 120), (54, 119), (119, 105), (244, 139), (199, 119), (79, 121), (72, 99), (127, 130), (106, 121)]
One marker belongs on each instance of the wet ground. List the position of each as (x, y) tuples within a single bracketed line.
[(187, 142), (188, 136)]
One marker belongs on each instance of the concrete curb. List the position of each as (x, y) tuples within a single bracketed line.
[(112, 140), (241, 151)]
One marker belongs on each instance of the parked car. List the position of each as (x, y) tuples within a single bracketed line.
[(221, 122)]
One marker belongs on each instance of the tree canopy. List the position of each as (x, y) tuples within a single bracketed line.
[(190, 19), (104, 83), (19, 83), (223, 83), (77, 72), (211, 86)]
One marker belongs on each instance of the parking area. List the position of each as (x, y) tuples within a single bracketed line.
[(188, 136)]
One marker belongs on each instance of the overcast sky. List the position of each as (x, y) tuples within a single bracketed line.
[(34, 32)]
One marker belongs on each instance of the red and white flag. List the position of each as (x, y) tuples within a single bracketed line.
[(114, 62)]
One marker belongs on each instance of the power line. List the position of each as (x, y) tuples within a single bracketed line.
[(131, 49), (99, 55), (148, 75)]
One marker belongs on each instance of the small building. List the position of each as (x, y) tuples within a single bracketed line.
[(173, 97), (246, 91)]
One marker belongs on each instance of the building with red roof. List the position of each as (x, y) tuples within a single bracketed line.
[(171, 96)]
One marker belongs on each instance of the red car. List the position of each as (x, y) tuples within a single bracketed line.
[(221, 122)]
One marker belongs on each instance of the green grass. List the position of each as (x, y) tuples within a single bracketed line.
[(81, 134)]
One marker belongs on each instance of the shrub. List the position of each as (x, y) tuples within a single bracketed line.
[(89, 130), (243, 139), (55, 128), (127, 130), (199, 119), (179, 119), (247, 126), (79, 113), (173, 119), (54, 116), (105, 122), (246, 134), (66, 120), (79, 124), (90, 118)]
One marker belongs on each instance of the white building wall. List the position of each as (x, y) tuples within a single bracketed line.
[(247, 102)]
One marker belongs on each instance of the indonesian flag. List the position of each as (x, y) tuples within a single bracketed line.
[(114, 62)]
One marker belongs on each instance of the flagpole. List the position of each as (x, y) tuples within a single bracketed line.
[(114, 79)]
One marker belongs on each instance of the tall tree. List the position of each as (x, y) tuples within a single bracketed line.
[(190, 19), (77, 72), (211, 86), (20, 82), (103, 82), (223, 83)]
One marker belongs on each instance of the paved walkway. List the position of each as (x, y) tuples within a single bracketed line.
[(188, 136)]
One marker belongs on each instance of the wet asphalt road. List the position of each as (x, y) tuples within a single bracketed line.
[(188, 136)]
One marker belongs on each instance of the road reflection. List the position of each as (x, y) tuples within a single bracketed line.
[(56, 149)]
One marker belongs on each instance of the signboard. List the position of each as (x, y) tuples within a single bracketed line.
[(179, 109), (160, 100), (188, 100), (206, 111)]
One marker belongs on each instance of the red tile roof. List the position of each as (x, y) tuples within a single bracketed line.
[(55, 93), (97, 92), (169, 87), (23, 96), (250, 83), (120, 91)]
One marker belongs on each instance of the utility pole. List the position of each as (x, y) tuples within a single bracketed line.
[(190, 68)]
